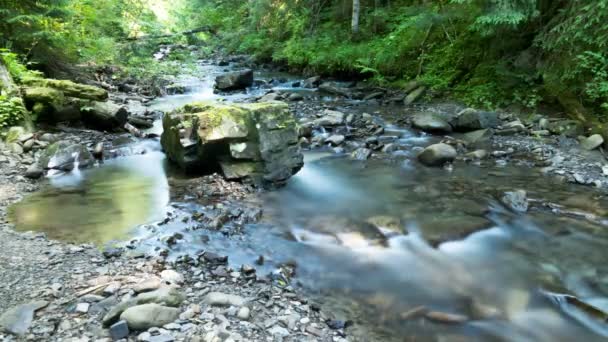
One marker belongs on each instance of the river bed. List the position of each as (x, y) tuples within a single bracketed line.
[(445, 243)]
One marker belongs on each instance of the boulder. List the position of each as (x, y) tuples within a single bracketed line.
[(17, 320), (63, 156), (167, 296), (516, 200), (431, 123), (104, 115), (312, 82), (14, 134), (257, 141), (437, 155), (146, 316), (414, 96), (471, 120), (69, 88), (592, 142), (234, 80)]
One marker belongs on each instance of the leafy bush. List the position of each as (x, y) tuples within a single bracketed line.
[(12, 111)]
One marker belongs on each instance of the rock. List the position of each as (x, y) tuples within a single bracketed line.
[(140, 122), (223, 299), (28, 145), (443, 317), (172, 277), (437, 155), (15, 148), (147, 285), (429, 122), (234, 80), (243, 313), (48, 137), (63, 156), (14, 134), (175, 89), (278, 331), (361, 153), (271, 97), (471, 120), (146, 316), (330, 118), (478, 136), (477, 154), (82, 307), (69, 88), (258, 141), (167, 296), (104, 115), (119, 330), (414, 95), (34, 171), (516, 200), (312, 82), (17, 320), (335, 140), (295, 97), (331, 89), (592, 142)]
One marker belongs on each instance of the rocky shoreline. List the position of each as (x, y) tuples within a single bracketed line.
[(52, 290)]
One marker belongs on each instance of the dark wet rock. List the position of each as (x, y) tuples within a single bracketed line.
[(312, 82), (415, 95), (17, 320), (257, 141), (234, 80), (140, 122), (592, 142), (431, 123), (330, 118), (62, 156), (119, 330), (516, 200), (146, 316), (98, 151), (113, 252), (437, 155), (104, 115), (361, 153), (34, 172), (472, 119), (214, 258), (373, 95), (174, 89)]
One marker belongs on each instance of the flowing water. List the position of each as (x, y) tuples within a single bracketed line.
[(444, 241)]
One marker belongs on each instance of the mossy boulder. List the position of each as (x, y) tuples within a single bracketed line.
[(256, 141), (69, 88)]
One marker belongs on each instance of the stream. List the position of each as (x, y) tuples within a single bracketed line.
[(448, 244)]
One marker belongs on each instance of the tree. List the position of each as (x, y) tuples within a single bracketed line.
[(355, 18)]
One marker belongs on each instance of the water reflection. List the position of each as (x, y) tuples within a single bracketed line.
[(98, 205)]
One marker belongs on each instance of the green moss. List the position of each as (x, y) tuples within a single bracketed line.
[(69, 88), (43, 95)]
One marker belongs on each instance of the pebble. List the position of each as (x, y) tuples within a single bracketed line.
[(223, 299), (172, 276), (244, 313), (82, 307), (119, 330)]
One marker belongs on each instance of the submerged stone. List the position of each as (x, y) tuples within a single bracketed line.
[(437, 155), (256, 141)]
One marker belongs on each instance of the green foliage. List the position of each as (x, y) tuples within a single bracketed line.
[(15, 67), (12, 111)]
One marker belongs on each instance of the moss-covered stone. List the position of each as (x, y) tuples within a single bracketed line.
[(257, 141), (69, 88), (43, 95)]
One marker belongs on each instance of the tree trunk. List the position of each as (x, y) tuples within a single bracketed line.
[(7, 85), (355, 19)]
